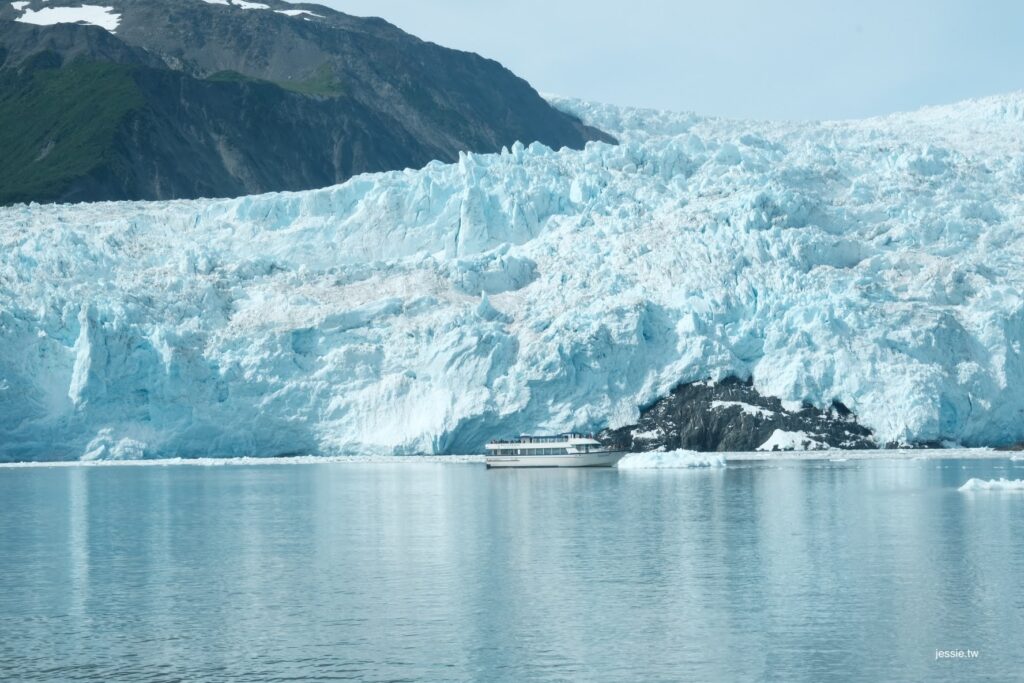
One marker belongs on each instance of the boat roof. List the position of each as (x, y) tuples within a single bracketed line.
[(545, 438)]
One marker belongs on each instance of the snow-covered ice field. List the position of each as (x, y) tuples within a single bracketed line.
[(874, 262)]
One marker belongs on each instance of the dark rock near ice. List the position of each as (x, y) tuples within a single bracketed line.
[(732, 416)]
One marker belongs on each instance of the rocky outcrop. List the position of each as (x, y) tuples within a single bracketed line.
[(732, 416)]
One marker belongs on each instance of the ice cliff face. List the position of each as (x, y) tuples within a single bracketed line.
[(877, 263)]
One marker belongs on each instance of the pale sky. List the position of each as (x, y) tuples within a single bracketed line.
[(800, 59)]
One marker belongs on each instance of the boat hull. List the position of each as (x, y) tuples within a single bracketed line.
[(602, 459)]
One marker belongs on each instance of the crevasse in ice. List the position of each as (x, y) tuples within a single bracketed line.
[(876, 262)]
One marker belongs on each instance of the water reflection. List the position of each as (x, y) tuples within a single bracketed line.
[(809, 571), (78, 544)]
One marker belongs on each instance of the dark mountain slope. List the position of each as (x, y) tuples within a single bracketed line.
[(189, 99)]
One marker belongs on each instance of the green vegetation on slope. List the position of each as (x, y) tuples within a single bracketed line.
[(57, 125), (322, 83)]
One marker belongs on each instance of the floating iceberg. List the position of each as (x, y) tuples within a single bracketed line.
[(875, 262), (1001, 484), (661, 460)]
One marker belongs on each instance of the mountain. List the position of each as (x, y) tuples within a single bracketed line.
[(166, 99), (860, 271)]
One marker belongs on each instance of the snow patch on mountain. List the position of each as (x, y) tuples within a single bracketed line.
[(299, 13), (245, 4), (97, 15), (875, 263), (745, 408), (781, 440)]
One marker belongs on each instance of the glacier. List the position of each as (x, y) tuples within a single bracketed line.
[(879, 263)]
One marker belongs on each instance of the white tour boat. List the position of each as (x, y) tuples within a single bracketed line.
[(563, 450)]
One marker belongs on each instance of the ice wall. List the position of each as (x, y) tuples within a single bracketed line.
[(877, 262)]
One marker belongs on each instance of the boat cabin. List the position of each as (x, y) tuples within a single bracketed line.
[(560, 444)]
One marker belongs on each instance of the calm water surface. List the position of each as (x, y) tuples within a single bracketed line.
[(787, 571)]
